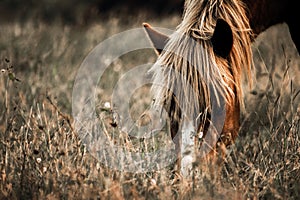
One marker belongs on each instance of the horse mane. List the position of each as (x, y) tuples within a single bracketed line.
[(189, 69)]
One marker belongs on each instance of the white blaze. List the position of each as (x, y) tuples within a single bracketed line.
[(187, 148)]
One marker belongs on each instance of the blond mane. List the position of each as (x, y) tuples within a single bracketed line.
[(188, 67)]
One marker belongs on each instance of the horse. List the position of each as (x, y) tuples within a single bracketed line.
[(197, 76), (265, 13)]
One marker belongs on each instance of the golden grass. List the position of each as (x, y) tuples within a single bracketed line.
[(42, 157)]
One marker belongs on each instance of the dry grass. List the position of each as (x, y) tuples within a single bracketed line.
[(42, 157)]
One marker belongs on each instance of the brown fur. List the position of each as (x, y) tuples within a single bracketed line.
[(188, 72)]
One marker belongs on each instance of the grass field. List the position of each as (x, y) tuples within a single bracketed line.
[(43, 157)]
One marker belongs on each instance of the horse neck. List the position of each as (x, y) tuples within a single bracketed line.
[(265, 13)]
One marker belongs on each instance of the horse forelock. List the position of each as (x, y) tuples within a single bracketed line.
[(188, 68)]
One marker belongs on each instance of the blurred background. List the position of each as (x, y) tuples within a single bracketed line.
[(47, 40), (43, 44), (81, 11)]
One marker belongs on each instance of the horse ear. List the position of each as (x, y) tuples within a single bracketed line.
[(158, 40), (222, 39)]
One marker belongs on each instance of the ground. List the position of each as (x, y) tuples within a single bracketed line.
[(43, 157)]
